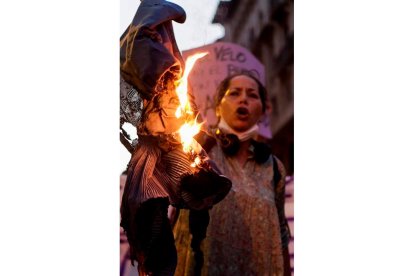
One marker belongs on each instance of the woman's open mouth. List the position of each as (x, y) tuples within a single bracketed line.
[(242, 113)]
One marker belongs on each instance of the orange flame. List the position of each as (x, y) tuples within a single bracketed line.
[(190, 128)]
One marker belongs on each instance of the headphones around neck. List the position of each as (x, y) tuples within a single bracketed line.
[(230, 145)]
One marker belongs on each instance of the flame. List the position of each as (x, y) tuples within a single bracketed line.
[(182, 84), (197, 161), (190, 128)]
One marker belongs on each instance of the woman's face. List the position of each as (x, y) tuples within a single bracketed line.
[(241, 106)]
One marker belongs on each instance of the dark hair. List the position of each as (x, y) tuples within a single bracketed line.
[(224, 85)]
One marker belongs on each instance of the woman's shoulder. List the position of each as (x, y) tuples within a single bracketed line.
[(278, 162), (281, 171)]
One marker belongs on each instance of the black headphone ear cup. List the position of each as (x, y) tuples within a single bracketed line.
[(229, 143), (261, 152)]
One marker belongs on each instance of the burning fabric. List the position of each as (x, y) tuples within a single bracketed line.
[(168, 166)]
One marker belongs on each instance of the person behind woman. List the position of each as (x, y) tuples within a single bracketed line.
[(247, 232)]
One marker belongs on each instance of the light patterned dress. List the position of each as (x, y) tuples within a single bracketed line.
[(243, 236)]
